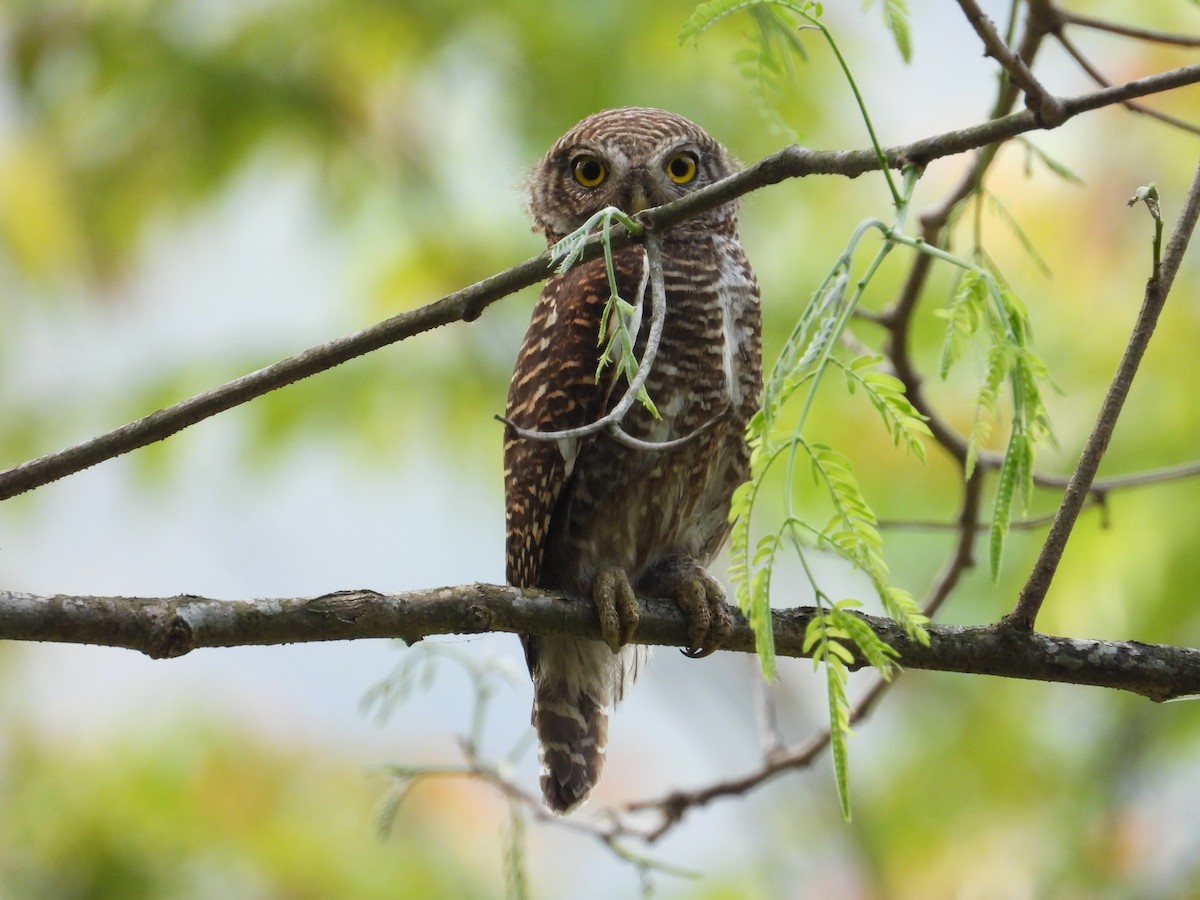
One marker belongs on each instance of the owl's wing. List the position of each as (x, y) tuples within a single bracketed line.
[(554, 388)]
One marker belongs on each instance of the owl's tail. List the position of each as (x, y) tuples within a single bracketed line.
[(572, 688)]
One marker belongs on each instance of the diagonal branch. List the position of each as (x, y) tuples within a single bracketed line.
[(1034, 592), (469, 303)]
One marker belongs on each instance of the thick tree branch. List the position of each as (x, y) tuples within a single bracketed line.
[(173, 626), (469, 303)]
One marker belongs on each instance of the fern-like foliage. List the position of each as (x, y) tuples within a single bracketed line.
[(895, 17), (828, 640), (986, 309), (823, 640), (777, 437), (618, 314), (886, 393), (853, 533), (767, 64)]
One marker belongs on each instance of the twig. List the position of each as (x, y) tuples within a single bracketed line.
[(658, 310), (898, 317), (465, 305), (1099, 491), (469, 303), (1141, 34), (1033, 593), (1133, 105)]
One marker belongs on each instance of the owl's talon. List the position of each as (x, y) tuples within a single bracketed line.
[(719, 626), (617, 607), (701, 598)]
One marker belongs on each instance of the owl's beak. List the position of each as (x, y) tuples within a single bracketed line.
[(638, 200)]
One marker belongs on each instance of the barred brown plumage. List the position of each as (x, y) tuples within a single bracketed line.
[(593, 517)]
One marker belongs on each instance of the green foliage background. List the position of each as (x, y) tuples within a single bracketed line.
[(125, 122)]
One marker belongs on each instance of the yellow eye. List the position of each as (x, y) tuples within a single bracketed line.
[(681, 168), (588, 170)]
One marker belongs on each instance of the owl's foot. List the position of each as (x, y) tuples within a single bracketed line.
[(617, 606), (700, 596)]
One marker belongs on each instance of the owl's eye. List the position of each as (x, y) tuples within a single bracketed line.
[(681, 168), (588, 170)]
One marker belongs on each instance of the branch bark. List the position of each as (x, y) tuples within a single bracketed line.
[(163, 627)]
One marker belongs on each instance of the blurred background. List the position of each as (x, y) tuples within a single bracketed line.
[(191, 190)]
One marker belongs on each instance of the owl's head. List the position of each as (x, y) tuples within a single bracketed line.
[(632, 158)]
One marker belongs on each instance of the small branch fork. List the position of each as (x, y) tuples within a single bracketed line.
[(1047, 109)]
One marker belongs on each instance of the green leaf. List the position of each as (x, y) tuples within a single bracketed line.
[(901, 606), (1013, 472), (1056, 166), (1022, 237), (516, 886), (895, 16), (987, 401), (967, 310), (839, 731), (767, 65), (706, 15), (878, 653), (886, 393), (852, 531), (614, 332)]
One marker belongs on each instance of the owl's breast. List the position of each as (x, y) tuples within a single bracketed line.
[(629, 507)]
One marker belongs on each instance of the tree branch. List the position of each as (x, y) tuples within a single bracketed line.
[(469, 303), (172, 626), (1157, 288), (1132, 31), (1098, 77)]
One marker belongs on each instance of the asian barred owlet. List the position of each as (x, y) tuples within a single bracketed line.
[(591, 516)]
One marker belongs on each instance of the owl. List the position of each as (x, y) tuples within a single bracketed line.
[(593, 516)]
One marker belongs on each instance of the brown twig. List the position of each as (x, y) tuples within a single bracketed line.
[(898, 317), (1099, 491), (1132, 31), (1098, 77)]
